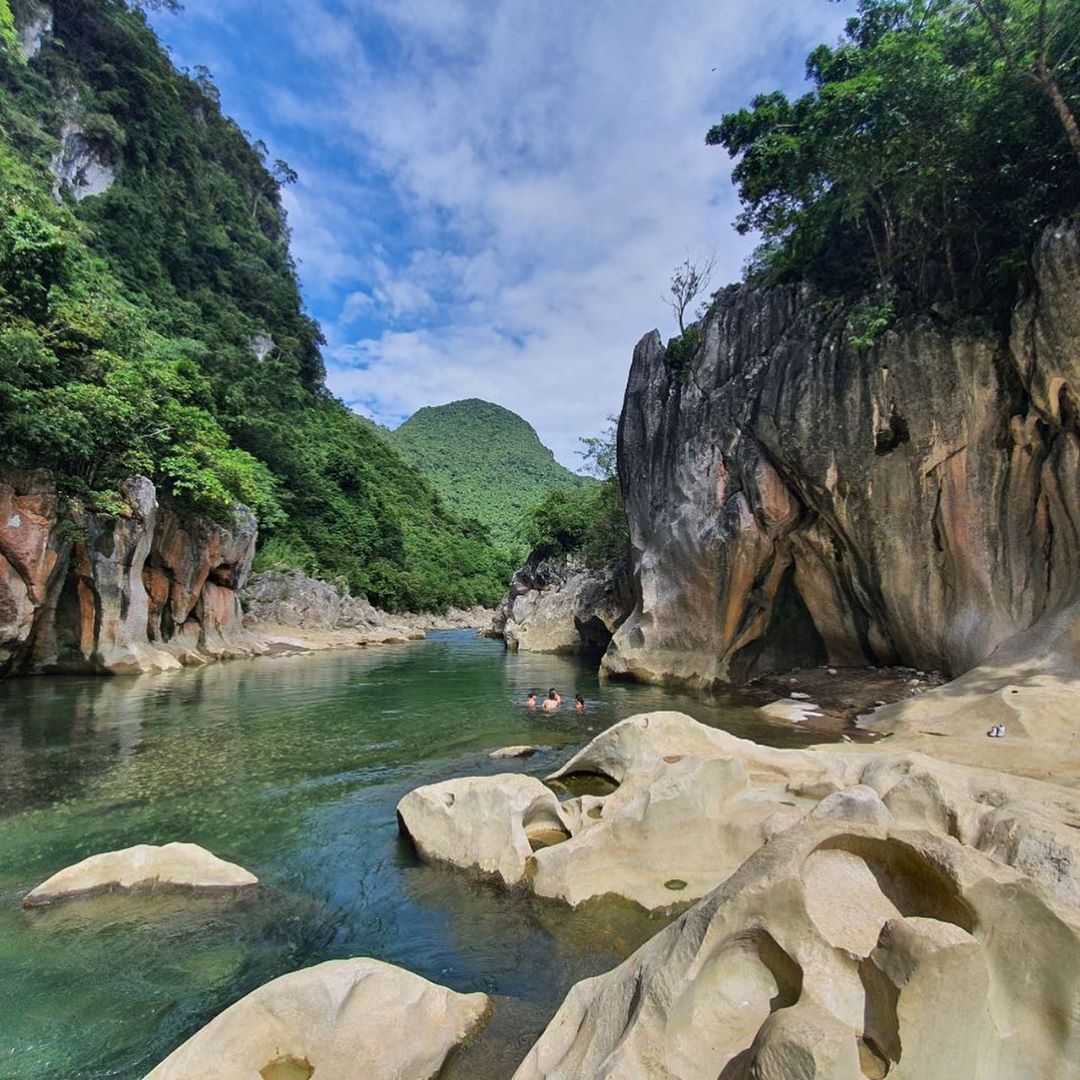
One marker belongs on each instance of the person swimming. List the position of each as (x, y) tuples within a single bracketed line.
[(579, 703), (552, 701), (530, 701)]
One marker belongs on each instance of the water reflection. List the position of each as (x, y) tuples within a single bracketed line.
[(291, 767)]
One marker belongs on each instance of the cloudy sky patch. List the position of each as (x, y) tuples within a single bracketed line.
[(493, 195)]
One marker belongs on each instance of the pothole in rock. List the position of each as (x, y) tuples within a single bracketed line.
[(546, 837), (288, 1068), (578, 784), (854, 885), (873, 1063)]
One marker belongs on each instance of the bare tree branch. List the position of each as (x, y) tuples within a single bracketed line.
[(688, 282)]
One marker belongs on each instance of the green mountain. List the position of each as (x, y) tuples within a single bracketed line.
[(488, 464), (151, 321)]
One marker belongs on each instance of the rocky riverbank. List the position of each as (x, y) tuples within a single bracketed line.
[(564, 607), (151, 589), (844, 906), (795, 499)]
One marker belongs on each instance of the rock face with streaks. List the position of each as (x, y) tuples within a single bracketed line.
[(555, 606), (794, 499), (335, 1021), (147, 589)]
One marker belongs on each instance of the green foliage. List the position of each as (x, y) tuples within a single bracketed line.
[(681, 350), (921, 161), (486, 462), (868, 322), (127, 321), (9, 39), (588, 522)]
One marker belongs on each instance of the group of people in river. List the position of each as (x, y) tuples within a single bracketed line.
[(553, 701)]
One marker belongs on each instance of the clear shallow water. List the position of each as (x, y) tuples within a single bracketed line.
[(292, 768)]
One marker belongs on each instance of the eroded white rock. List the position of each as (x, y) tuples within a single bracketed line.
[(691, 803), (838, 951), (171, 867), (487, 823), (341, 1020)]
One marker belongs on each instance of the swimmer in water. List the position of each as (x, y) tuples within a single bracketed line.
[(579, 703), (552, 701), (530, 701)]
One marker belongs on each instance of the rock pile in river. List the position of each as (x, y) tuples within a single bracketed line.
[(860, 912), (691, 803)]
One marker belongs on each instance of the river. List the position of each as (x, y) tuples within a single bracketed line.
[(292, 768)]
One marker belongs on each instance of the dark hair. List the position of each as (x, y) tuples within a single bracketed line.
[(551, 694), (578, 697), (551, 689)]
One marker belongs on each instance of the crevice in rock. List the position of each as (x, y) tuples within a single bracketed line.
[(896, 434)]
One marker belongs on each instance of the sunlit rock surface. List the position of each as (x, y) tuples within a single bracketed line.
[(145, 867), (839, 951), (793, 499), (691, 803), (341, 1020), (486, 823)]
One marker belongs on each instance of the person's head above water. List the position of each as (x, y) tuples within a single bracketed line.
[(552, 694), (579, 699)]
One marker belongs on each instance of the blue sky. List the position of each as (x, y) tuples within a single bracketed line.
[(493, 193)]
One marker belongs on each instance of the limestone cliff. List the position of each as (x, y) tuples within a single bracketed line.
[(144, 590), (793, 498), (561, 606)]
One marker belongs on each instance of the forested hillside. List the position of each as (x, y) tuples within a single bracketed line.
[(486, 462), (151, 321)]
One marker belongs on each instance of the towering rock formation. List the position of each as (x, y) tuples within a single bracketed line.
[(793, 498), (143, 590)]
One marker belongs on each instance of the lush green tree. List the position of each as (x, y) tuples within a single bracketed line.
[(923, 160), (587, 522), (158, 328)]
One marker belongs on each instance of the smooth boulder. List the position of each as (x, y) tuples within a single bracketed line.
[(172, 867), (485, 823), (340, 1020)]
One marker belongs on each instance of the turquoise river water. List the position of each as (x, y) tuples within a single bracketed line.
[(291, 768)]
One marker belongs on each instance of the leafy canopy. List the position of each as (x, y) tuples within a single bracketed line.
[(923, 160), (158, 327)]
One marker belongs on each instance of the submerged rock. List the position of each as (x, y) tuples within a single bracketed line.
[(838, 951), (169, 868), (339, 1020), (514, 752)]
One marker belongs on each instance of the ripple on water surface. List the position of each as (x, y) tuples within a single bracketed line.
[(291, 768)]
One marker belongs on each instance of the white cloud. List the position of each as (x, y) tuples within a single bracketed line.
[(515, 183)]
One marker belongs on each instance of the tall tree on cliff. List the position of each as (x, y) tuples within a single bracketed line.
[(923, 160), (1037, 43)]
